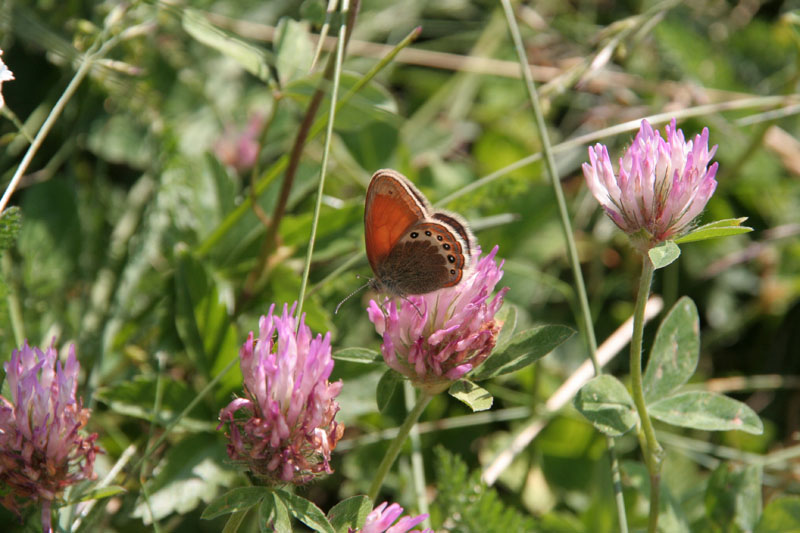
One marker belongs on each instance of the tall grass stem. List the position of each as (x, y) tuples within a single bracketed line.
[(337, 73), (572, 251)]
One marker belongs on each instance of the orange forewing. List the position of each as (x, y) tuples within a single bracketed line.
[(390, 210)]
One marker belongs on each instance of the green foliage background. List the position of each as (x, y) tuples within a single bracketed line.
[(136, 240)]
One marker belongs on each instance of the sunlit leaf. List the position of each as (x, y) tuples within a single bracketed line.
[(664, 254), (675, 351), (720, 228), (475, 397), (606, 403), (706, 410)]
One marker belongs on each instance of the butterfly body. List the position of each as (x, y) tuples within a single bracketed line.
[(412, 248)]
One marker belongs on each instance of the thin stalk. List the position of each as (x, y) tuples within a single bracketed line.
[(230, 221), (653, 453), (83, 70), (417, 465), (323, 32), (326, 150), (97, 50), (270, 243), (394, 448), (572, 250)]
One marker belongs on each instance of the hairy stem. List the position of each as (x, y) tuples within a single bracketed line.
[(394, 448), (652, 451)]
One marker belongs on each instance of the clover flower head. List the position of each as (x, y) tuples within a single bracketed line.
[(42, 450), (239, 149), (5, 75), (661, 185), (285, 430), (381, 518), (436, 338)]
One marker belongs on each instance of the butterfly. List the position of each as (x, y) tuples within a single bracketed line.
[(412, 248)]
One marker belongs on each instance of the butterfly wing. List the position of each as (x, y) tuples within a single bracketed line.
[(428, 257), (392, 206)]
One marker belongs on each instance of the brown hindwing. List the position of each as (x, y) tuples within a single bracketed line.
[(461, 228), (428, 257)]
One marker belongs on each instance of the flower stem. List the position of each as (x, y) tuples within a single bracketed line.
[(572, 250), (394, 448), (417, 465), (337, 71), (653, 453)]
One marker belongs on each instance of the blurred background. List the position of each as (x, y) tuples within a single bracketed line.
[(144, 227)]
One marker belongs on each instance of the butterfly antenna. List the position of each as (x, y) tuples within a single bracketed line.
[(364, 286), (414, 306)]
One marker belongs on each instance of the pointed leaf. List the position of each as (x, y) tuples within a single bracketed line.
[(350, 514), (238, 499), (664, 254), (606, 403), (358, 355), (720, 228), (781, 515), (525, 348), (733, 497), (387, 386), (305, 511), (273, 516), (253, 59), (234, 522), (475, 397), (508, 316), (675, 351), (708, 411)]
